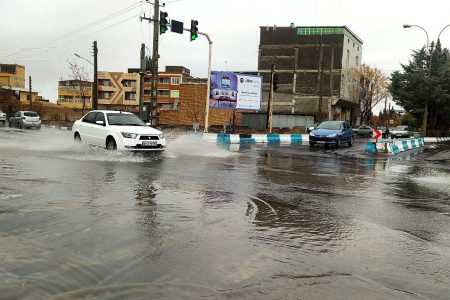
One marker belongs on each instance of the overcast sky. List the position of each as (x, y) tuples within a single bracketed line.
[(44, 34)]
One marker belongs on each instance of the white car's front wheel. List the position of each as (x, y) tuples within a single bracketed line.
[(77, 137), (111, 144)]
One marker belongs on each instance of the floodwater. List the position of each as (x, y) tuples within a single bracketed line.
[(258, 222)]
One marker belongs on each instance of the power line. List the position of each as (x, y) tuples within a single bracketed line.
[(99, 21), (85, 27)]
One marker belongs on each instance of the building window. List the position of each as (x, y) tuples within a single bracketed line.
[(348, 58), (163, 93), (104, 95), (130, 96), (358, 48), (348, 41), (129, 83), (174, 94), (164, 80), (104, 82), (147, 93), (175, 80), (353, 45), (357, 60)]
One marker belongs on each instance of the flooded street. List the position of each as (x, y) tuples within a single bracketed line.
[(260, 222)]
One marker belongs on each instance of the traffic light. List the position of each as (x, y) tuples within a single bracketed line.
[(163, 22), (275, 81), (194, 30)]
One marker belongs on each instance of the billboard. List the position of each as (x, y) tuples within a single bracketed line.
[(235, 91)]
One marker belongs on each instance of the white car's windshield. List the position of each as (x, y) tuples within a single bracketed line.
[(124, 119), (330, 125)]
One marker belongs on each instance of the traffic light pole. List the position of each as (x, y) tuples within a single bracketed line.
[(155, 21)]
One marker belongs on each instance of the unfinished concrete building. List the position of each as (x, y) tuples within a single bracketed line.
[(312, 65)]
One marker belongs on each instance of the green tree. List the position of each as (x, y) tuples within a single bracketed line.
[(417, 84)]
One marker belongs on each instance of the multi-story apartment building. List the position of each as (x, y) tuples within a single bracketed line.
[(312, 65), (120, 90), (73, 93), (12, 75)]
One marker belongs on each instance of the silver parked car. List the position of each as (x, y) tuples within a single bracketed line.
[(2, 117), (365, 130), (401, 132), (25, 119)]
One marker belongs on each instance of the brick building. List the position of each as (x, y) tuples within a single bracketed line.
[(191, 109), (312, 63)]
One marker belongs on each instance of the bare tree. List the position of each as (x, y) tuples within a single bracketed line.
[(371, 89), (9, 101), (80, 74)]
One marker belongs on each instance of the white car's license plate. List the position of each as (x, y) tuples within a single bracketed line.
[(149, 143)]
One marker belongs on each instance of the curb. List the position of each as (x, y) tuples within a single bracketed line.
[(436, 139), (394, 147), (252, 138)]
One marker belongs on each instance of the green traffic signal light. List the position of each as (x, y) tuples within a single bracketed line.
[(194, 30), (163, 22)]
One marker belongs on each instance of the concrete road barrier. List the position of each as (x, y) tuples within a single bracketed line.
[(393, 146), (252, 138)]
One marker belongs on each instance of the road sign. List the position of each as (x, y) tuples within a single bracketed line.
[(377, 134), (177, 26)]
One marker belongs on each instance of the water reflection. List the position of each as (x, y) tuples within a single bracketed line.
[(296, 226)]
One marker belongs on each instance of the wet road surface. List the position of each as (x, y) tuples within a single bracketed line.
[(284, 222)]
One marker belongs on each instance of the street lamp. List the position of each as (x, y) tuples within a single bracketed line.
[(410, 25), (79, 56), (425, 113)]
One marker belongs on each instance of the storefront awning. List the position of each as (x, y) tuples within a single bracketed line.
[(346, 104)]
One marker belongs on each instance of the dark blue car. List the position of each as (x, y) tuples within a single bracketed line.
[(332, 132)]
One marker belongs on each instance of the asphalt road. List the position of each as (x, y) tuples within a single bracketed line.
[(258, 222)]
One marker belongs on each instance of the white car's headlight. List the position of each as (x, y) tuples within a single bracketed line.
[(161, 136), (331, 135), (129, 135)]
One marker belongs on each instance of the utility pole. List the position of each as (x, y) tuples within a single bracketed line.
[(94, 85), (141, 83), (270, 102), (154, 118), (385, 112), (31, 95)]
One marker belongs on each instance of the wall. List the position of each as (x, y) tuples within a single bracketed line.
[(191, 109)]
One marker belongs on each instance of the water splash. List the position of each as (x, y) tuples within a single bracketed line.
[(186, 145)]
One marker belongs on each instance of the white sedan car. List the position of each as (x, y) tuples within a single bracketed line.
[(117, 130)]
